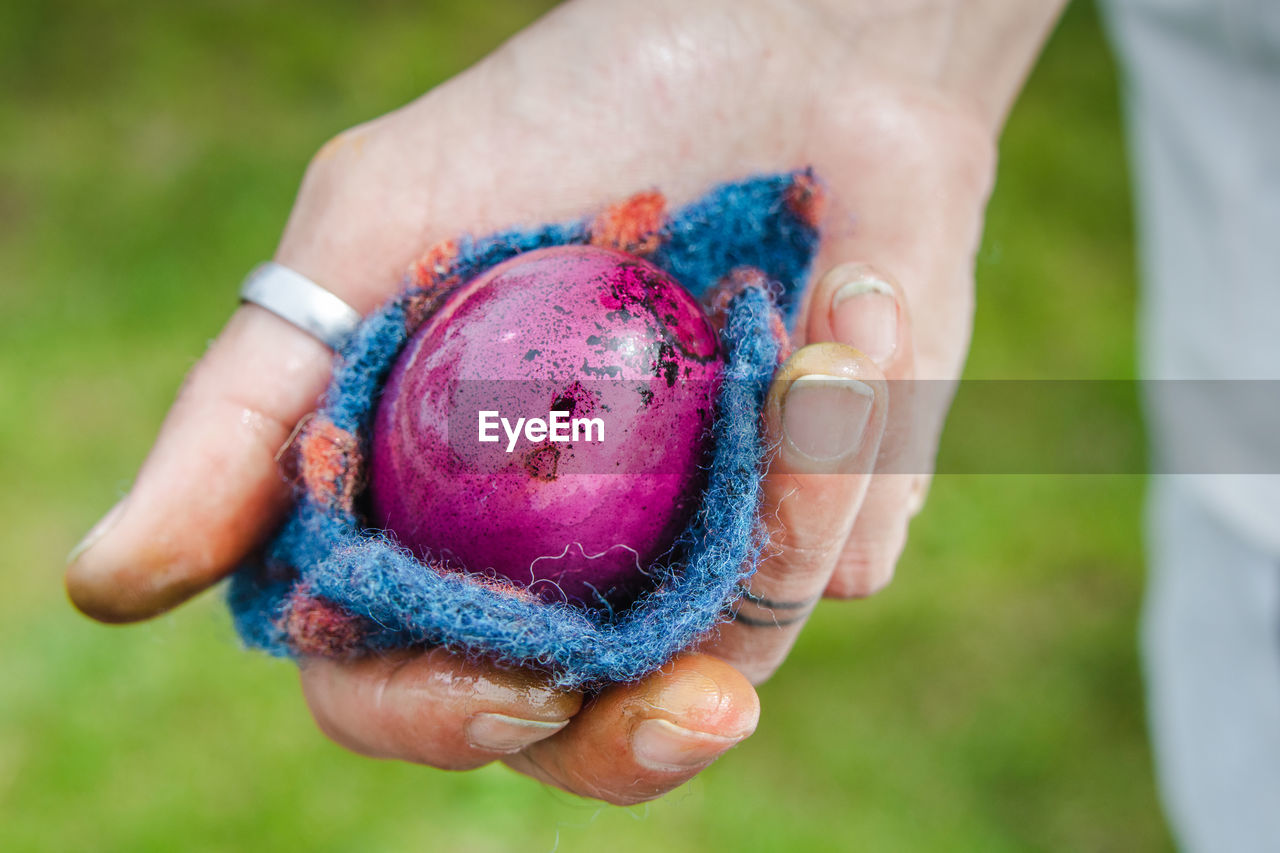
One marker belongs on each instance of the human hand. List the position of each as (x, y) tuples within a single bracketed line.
[(593, 102)]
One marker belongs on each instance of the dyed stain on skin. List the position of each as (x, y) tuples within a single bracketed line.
[(590, 332)]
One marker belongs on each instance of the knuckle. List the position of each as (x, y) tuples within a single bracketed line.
[(864, 569), (851, 584), (338, 168), (785, 582), (339, 152), (793, 563), (947, 141), (804, 537), (954, 138)]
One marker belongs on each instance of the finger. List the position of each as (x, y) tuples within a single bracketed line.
[(860, 306), (909, 198), (210, 487), (827, 409), (637, 741), (436, 708), (866, 308)]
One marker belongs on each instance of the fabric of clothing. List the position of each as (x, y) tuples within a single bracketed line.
[(1202, 95), (1202, 86), (1211, 649)]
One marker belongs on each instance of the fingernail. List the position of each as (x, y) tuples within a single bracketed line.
[(687, 695), (492, 732), (864, 315), (824, 417), (96, 532), (663, 746)]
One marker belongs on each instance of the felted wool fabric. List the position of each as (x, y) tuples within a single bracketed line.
[(325, 585)]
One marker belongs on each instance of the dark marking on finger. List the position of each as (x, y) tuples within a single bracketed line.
[(770, 604), (752, 622)]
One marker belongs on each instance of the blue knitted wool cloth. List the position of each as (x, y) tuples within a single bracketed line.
[(326, 585)]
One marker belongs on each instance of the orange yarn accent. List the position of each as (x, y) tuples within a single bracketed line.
[(434, 265), (807, 199), (717, 299), (631, 226), (327, 457), (779, 330), (431, 275)]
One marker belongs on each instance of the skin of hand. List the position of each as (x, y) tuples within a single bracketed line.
[(897, 108)]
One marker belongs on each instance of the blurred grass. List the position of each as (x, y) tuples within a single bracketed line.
[(989, 701)]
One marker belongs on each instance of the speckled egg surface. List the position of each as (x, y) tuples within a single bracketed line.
[(549, 423)]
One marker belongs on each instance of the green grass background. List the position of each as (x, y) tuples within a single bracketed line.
[(989, 701)]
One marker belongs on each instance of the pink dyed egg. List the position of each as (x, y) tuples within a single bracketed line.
[(550, 424)]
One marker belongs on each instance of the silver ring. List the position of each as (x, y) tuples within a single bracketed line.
[(294, 297)]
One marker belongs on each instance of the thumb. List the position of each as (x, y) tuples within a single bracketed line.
[(210, 489)]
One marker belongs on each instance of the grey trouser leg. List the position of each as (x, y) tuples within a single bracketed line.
[(1211, 643)]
